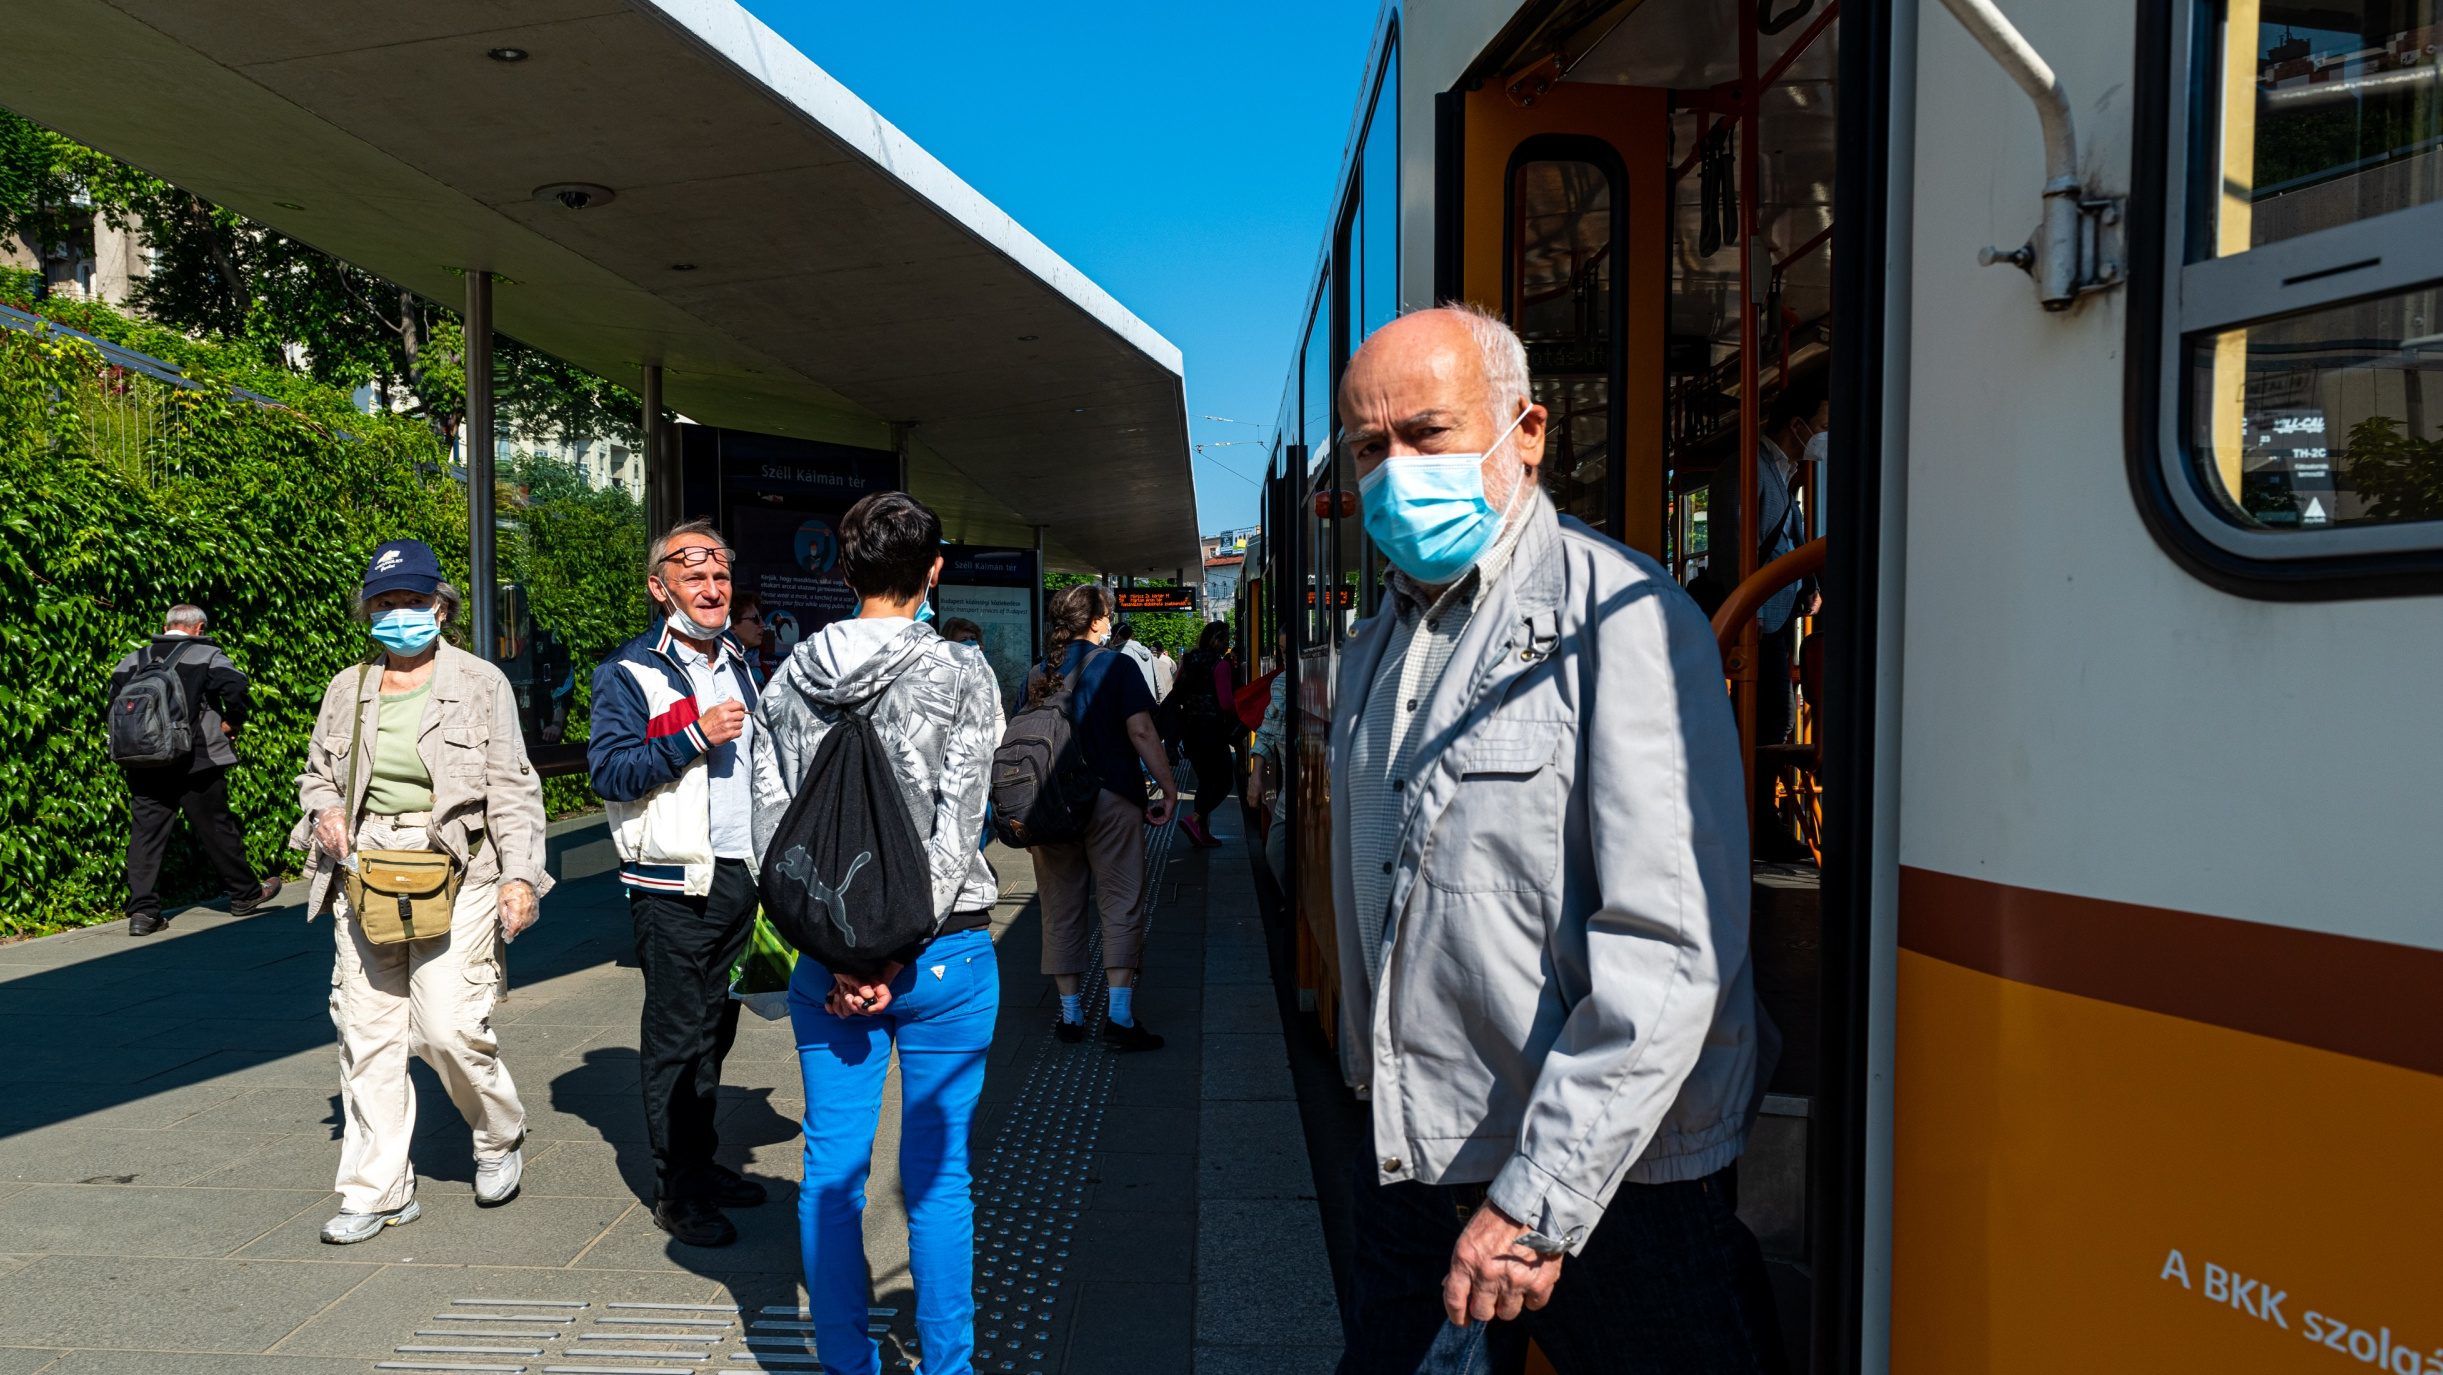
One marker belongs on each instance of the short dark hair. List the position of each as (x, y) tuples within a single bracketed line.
[(1121, 634), (745, 602), (1797, 400), (888, 543), (959, 626)]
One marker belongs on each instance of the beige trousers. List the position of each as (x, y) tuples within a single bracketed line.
[(432, 998), (1113, 856)]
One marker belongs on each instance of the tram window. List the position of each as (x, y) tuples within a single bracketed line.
[(2331, 111), (1375, 300), (1562, 232), (2332, 418), (2298, 391), (1316, 384)]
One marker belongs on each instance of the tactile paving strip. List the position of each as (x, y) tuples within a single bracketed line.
[(1030, 1187), (1031, 1182)]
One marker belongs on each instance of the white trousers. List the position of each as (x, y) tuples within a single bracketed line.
[(432, 998)]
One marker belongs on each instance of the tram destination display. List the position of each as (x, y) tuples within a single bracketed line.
[(1154, 599)]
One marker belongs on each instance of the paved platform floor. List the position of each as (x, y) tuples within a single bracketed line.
[(168, 1135)]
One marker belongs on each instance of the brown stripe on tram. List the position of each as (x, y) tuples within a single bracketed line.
[(2370, 999)]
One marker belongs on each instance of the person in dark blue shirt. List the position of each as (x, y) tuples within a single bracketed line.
[(1114, 713)]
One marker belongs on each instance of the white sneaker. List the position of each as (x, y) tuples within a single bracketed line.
[(347, 1229), (497, 1179)]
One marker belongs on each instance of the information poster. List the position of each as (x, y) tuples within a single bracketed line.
[(782, 500), (995, 588)]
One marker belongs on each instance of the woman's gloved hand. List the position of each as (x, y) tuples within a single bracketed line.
[(518, 908), (331, 832)]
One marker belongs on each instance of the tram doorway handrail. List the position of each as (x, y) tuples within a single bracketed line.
[(1749, 596)]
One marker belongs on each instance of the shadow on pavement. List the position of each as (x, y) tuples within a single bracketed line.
[(99, 1023)]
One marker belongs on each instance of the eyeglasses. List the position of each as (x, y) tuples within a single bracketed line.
[(698, 555)]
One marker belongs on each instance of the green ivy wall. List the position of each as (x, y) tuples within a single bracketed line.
[(121, 495)]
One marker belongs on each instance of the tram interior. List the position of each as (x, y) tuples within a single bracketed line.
[(1707, 299)]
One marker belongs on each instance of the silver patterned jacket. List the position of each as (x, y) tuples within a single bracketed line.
[(936, 706), (1565, 1000)]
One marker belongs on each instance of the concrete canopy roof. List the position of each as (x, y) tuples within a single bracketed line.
[(842, 279)]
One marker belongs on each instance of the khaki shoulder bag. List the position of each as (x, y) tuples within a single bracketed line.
[(397, 895)]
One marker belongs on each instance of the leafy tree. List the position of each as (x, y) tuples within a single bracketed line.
[(221, 276), (2400, 476)]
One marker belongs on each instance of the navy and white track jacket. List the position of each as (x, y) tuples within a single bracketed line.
[(646, 754)]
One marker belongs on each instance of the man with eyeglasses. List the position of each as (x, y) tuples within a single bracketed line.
[(672, 733)]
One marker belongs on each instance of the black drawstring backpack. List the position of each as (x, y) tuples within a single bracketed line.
[(845, 879)]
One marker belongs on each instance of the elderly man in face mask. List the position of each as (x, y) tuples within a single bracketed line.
[(1540, 869), (671, 739)]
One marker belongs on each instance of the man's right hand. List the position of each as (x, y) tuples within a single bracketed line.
[(723, 722), (331, 832), (1159, 814)]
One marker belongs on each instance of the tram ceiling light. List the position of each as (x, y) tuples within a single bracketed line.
[(507, 54), (2072, 251), (576, 195)]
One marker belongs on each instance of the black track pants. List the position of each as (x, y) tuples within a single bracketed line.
[(687, 947), (155, 798)]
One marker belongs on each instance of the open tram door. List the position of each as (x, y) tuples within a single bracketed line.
[(1647, 192)]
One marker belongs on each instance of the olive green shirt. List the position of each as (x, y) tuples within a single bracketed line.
[(400, 782)]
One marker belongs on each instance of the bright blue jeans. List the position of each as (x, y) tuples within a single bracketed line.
[(941, 1018)]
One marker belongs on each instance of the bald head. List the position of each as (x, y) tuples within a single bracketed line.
[(1443, 381)]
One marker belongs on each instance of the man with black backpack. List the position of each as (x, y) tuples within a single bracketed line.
[(175, 706)]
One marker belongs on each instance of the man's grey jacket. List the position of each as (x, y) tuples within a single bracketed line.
[(1565, 999)]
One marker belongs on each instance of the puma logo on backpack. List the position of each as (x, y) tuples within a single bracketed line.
[(151, 721), (1043, 787), (799, 865)]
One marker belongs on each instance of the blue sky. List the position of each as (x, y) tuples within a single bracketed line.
[(1181, 155)]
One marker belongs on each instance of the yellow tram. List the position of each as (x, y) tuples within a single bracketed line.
[(2089, 769)]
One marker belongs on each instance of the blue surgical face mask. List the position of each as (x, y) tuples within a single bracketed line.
[(924, 611), (406, 629), (1428, 512)]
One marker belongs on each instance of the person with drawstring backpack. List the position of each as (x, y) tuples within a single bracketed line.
[(871, 752)]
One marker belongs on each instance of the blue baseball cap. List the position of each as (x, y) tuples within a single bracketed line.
[(403, 565)]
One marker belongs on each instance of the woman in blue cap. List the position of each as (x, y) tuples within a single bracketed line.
[(418, 748)]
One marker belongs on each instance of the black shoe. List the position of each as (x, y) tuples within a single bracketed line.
[(730, 1189), (1069, 1032), (247, 907), (1128, 1038), (692, 1222), (146, 923)]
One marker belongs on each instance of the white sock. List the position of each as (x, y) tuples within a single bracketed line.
[(1122, 1013), (1073, 1008)]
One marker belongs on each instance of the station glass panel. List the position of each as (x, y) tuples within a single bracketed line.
[(1561, 304), (2331, 111), (2330, 418)]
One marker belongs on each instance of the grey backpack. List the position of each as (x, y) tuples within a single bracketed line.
[(151, 721)]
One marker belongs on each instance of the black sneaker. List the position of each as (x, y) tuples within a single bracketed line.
[(1128, 1038), (731, 1189), (1069, 1032), (146, 923), (692, 1222), (247, 907)]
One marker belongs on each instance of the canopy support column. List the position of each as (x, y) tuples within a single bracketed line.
[(482, 558), (1043, 632), (661, 471)]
